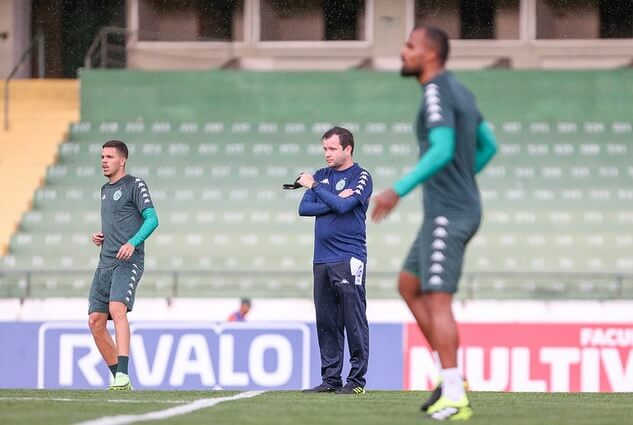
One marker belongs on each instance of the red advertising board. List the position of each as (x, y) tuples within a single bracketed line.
[(531, 357)]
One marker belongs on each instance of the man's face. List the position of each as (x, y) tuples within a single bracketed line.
[(413, 54), (111, 161), (335, 155)]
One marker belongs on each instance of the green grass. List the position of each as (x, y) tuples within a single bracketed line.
[(294, 408)]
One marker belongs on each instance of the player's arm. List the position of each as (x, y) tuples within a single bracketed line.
[(150, 223), (486, 146), (144, 204), (311, 206), (440, 152), (97, 238), (341, 205)]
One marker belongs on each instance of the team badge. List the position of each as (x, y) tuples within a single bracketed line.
[(340, 184), (117, 195)]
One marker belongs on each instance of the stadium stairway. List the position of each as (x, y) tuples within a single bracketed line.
[(40, 111)]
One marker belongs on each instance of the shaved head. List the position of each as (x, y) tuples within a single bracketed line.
[(426, 50), (435, 39)]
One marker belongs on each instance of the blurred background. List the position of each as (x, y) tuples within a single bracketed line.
[(222, 101)]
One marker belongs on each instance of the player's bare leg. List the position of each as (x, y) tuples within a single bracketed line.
[(97, 323), (409, 288), (443, 326), (453, 401), (118, 312)]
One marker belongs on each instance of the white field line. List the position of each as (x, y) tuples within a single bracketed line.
[(168, 413), (100, 400)]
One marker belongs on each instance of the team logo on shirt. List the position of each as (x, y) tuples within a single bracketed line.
[(117, 195), (340, 184)]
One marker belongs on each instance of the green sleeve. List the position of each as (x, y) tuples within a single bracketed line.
[(440, 153), (486, 146), (150, 223)]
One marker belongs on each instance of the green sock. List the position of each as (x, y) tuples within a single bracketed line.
[(113, 368), (122, 366)]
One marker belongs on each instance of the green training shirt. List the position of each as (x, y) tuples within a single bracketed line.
[(448, 103), (122, 205)]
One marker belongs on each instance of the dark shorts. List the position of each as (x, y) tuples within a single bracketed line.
[(437, 254), (114, 283)]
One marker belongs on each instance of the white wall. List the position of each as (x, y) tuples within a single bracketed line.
[(6, 25), (15, 20)]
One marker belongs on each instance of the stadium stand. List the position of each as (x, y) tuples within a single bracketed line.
[(40, 111), (215, 147)]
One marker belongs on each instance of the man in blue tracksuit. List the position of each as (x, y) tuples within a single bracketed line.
[(338, 196)]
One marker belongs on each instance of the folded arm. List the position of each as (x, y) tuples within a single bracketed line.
[(311, 206), (334, 202)]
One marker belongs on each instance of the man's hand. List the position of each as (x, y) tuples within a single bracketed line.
[(306, 180), (125, 252), (384, 202), (97, 238), (346, 193)]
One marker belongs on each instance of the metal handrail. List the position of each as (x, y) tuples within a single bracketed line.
[(101, 42), (469, 289), (100, 46), (38, 41)]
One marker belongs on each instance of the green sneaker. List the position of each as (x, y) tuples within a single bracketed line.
[(121, 383), (449, 410)]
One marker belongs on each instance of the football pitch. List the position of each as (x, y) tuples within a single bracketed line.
[(294, 408)]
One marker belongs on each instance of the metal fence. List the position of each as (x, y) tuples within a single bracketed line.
[(169, 284)]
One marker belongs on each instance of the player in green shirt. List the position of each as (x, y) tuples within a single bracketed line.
[(455, 144), (128, 218)]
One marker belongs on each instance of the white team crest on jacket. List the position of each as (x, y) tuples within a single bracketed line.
[(340, 184), (117, 195)]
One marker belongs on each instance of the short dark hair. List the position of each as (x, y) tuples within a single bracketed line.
[(120, 147), (439, 39), (344, 135), (246, 301)]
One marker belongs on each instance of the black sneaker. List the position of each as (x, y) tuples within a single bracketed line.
[(322, 388), (351, 389), (433, 398)]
